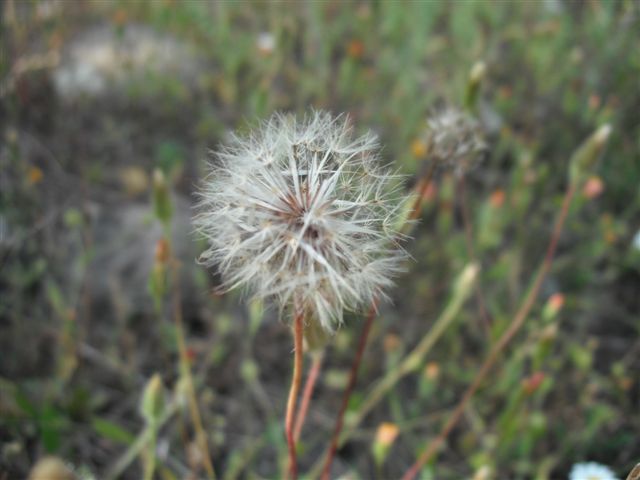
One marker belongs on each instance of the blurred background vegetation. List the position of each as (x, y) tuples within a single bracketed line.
[(96, 95)]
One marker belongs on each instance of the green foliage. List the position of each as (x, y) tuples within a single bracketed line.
[(565, 390), (111, 431), (162, 197)]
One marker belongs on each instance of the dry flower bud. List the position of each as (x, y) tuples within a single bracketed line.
[(432, 371), (532, 383), (387, 433), (553, 306), (163, 251), (593, 187), (51, 468)]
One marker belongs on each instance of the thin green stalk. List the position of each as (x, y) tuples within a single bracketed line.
[(185, 373), (150, 463), (416, 357), (136, 448), (504, 340), (240, 459), (468, 234), (462, 291)]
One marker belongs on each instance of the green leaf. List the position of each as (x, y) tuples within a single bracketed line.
[(111, 431)]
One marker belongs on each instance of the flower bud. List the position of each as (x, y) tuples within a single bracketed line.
[(152, 404), (477, 74), (163, 251), (585, 157), (432, 371), (51, 468), (553, 306), (593, 187), (385, 437), (532, 383), (161, 197)]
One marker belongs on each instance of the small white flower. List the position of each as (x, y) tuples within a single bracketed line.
[(591, 471), (455, 140), (266, 42), (636, 240), (302, 212)]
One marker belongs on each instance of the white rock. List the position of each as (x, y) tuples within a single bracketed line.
[(101, 58)]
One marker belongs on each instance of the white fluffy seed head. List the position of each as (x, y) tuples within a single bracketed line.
[(302, 212), (455, 140)]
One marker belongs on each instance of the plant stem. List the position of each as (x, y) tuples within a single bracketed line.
[(416, 357), (503, 341), (468, 233), (461, 292), (366, 329), (307, 393), (185, 373), (296, 381), (150, 464), (139, 444), (421, 189)]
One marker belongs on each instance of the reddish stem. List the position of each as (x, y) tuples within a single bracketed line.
[(364, 336), (506, 337), (296, 381), (422, 187), (307, 393)]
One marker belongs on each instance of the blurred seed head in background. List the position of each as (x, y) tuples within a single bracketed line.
[(455, 140)]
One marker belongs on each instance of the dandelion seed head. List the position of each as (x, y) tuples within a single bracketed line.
[(455, 140), (302, 212)]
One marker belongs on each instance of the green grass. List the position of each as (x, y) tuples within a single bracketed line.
[(72, 370)]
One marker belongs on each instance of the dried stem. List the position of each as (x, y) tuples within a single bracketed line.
[(366, 329), (504, 340), (296, 381), (421, 190), (468, 233), (185, 372), (307, 393)]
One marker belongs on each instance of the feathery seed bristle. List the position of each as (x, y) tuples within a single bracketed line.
[(302, 212)]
